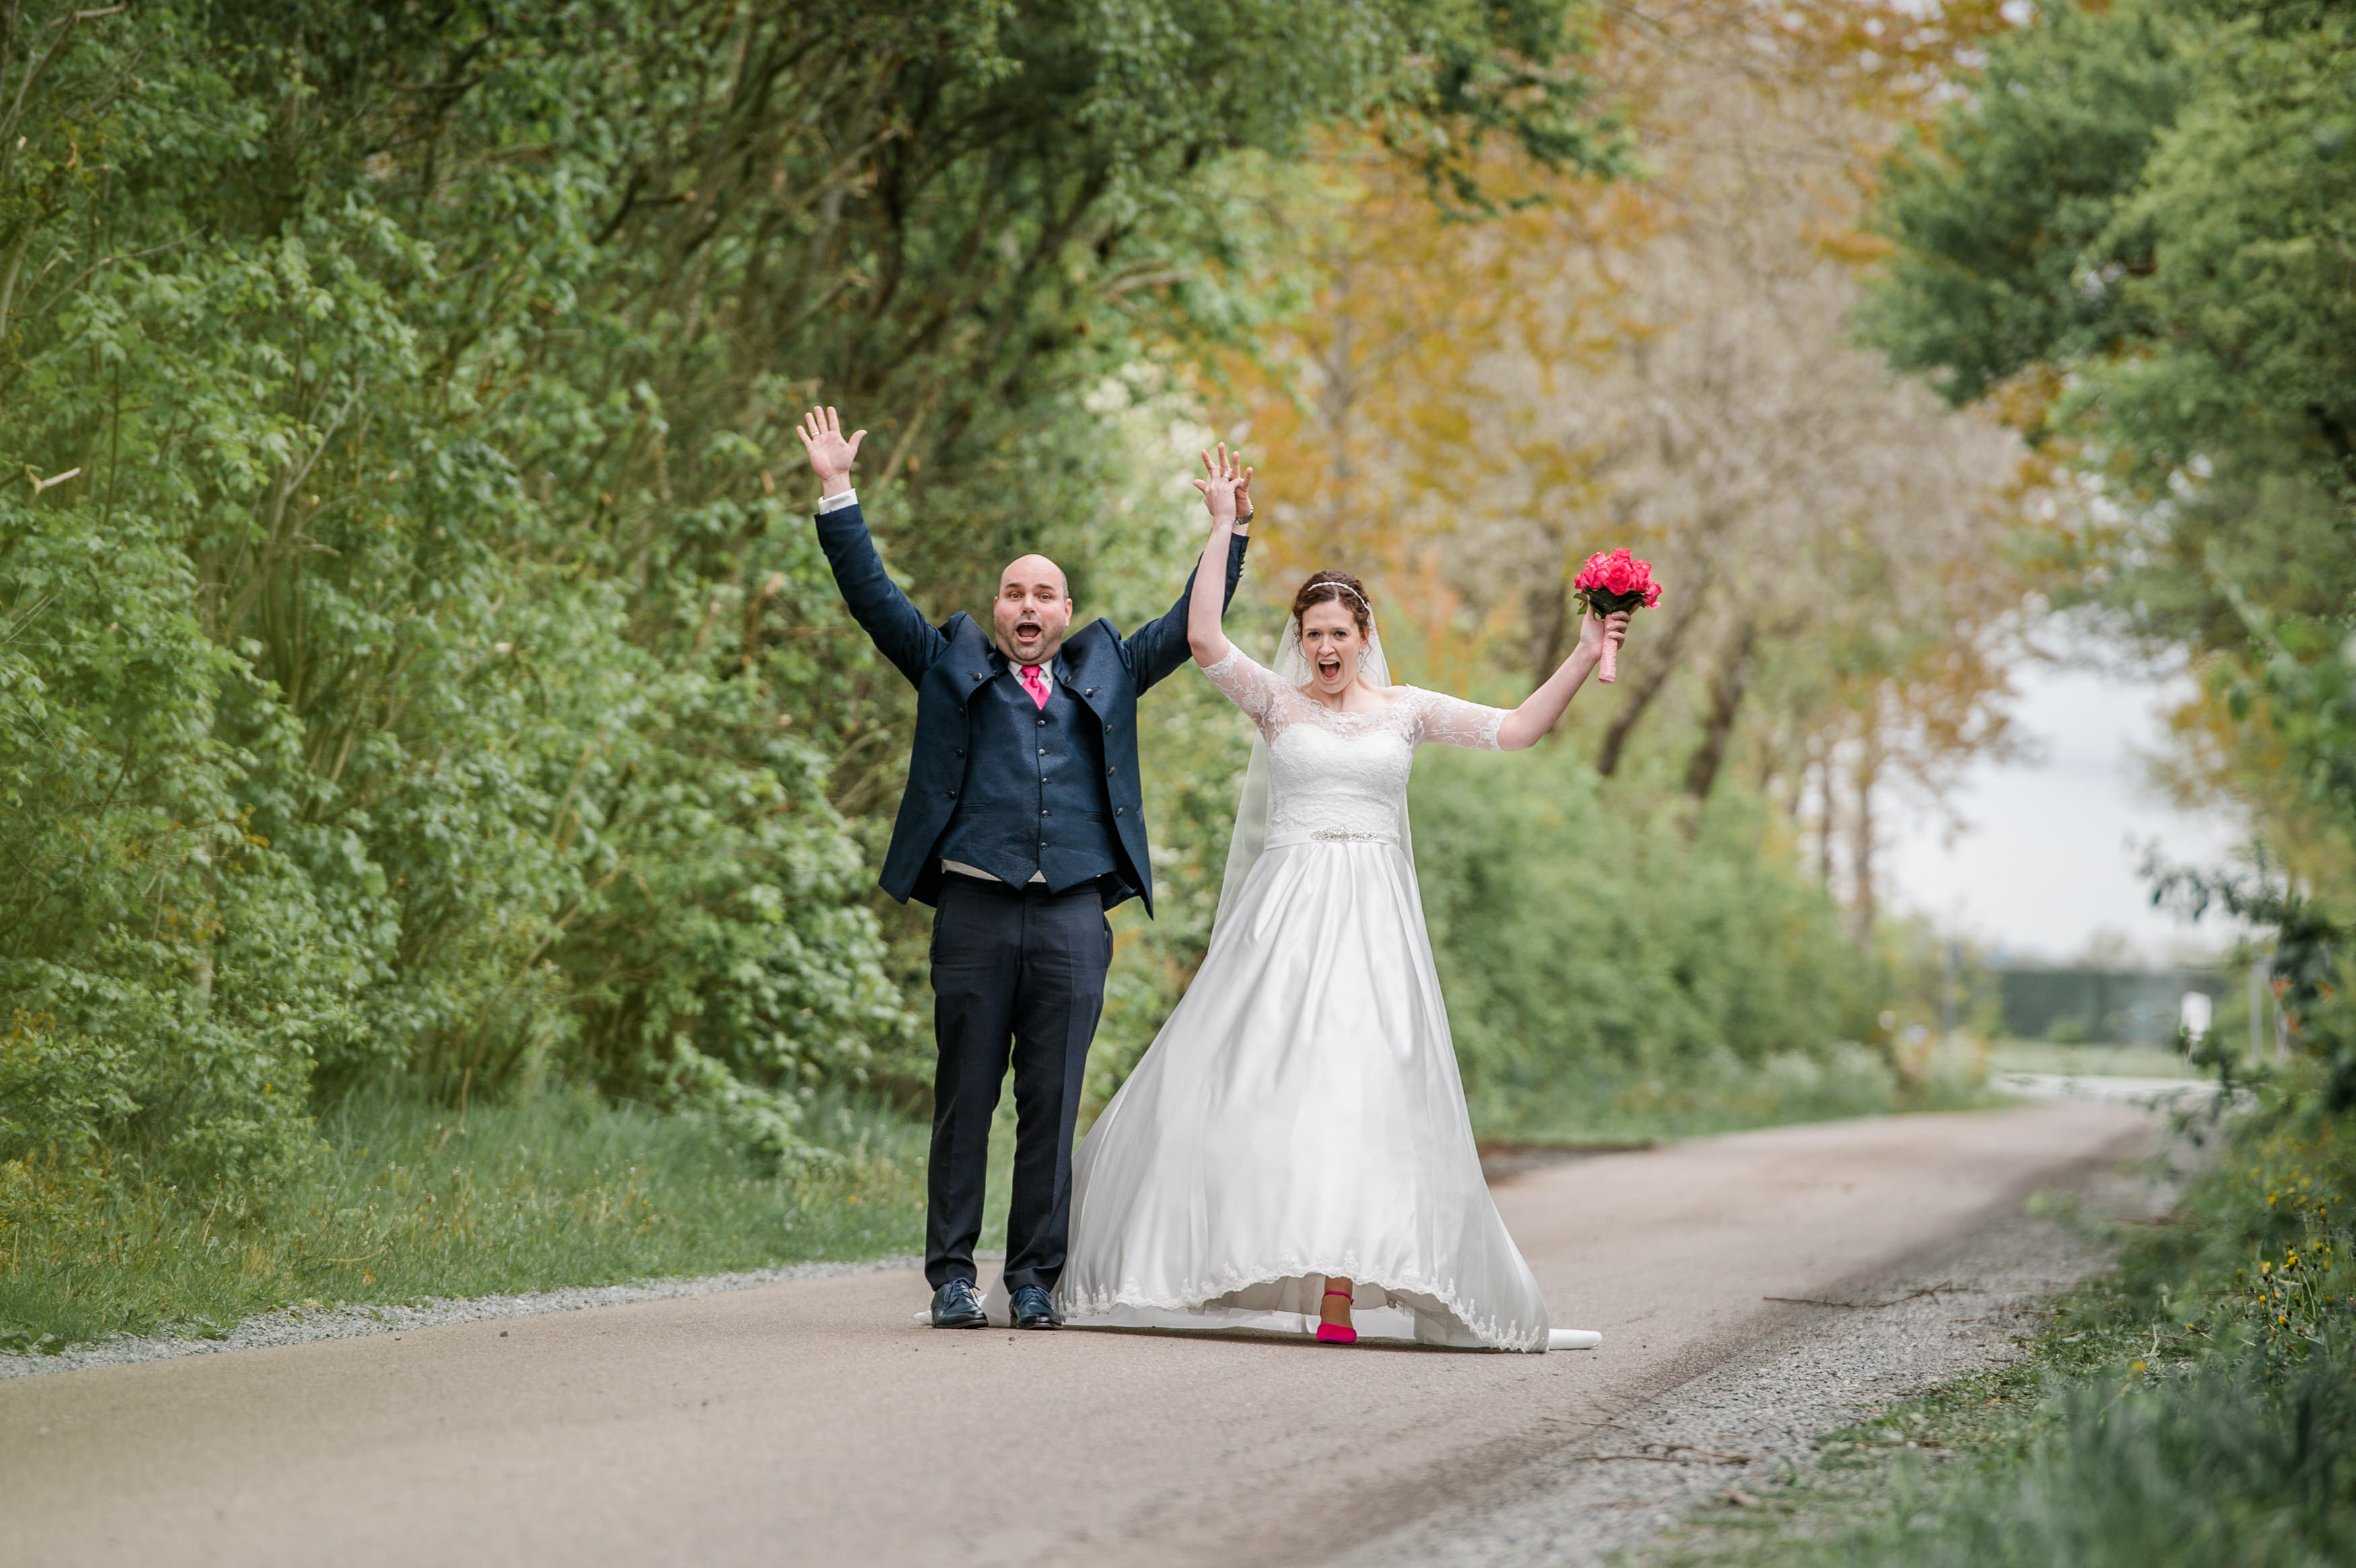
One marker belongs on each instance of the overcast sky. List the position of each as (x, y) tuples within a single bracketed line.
[(2049, 860)]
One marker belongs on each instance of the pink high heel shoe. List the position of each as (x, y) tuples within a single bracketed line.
[(1333, 1333)]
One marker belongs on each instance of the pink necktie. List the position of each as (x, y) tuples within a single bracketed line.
[(1034, 683)]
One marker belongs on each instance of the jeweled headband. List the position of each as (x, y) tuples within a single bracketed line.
[(1340, 587)]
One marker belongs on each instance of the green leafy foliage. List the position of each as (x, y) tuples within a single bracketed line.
[(2004, 220), (402, 1199), (2144, 213), (2194, 1407), (414, 668), (2150, 205), (1601, 962), (2312, 946), (2136, 230)]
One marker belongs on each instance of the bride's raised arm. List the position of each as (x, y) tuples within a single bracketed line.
[(1248, 685), (1539, 713), (1205, 634)]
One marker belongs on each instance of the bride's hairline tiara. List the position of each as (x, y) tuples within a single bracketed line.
[(1344, 587)]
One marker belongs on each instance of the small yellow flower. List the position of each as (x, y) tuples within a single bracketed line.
[(2137, 1368), (2264, 1267)]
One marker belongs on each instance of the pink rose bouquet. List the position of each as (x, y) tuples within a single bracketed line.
[(1610, 584)]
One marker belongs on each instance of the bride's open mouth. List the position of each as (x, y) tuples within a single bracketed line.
[(1329, 669)]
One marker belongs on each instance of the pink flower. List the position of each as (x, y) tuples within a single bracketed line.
[(1618, 573)]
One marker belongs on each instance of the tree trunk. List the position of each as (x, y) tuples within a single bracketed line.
[(1869, 769), (1336, 402), (1725, 701), (1827, 809), (1550, 623), (1661, 664)]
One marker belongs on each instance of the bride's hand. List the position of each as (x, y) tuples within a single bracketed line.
[(1227, 479), (1593, 632)]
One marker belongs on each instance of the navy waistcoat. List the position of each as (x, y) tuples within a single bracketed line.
[(1034, 797)]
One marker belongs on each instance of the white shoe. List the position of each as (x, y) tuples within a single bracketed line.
[(1572, 1339)]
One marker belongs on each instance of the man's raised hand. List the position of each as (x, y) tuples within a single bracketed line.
[(1226, 487), (830, 456)]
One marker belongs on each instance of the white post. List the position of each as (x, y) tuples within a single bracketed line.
[(2194, 1011), (2257, 1011)]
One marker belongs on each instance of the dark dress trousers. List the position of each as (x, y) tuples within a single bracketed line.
[(1045, 800)]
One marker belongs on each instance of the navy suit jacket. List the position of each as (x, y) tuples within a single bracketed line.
[(945, 663)]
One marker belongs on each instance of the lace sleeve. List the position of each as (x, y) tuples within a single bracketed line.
[(1250, 686), (1444, 720)]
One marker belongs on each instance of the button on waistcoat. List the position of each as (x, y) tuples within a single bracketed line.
[(1033, 796)]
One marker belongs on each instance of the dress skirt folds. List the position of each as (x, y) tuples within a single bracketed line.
[(1301, 1116)]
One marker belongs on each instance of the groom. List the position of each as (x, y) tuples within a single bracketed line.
[(1021, 825)]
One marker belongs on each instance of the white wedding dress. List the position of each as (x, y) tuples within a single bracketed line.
[(1301, 1117)]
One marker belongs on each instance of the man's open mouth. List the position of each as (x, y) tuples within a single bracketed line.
[(1027, 631)]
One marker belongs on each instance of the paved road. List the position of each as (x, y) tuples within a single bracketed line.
[(813, 1423), (2165, 1093)]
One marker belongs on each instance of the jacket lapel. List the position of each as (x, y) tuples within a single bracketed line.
[(973, 661), (1081, 672)]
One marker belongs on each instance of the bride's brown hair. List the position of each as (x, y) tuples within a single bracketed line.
[(1331, 587)]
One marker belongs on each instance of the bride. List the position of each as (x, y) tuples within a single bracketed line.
[(1293, 1152)]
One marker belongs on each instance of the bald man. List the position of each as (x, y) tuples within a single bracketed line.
[(1021, 825)]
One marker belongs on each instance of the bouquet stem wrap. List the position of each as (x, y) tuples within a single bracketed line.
[(1607, 584)]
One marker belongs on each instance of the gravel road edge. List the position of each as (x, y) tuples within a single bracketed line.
[(1617, 1492), (296, 1325)]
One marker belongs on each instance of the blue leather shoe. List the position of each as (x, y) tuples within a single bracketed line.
[(955, 1306), (1032, 1309)]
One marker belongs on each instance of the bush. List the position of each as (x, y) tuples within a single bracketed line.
[(2200, 1406), (415, 663), (1598, 959), (402, 1198)]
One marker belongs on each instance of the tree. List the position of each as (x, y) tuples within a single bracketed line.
[(1670, 366), (420, 669), (2175, 321)]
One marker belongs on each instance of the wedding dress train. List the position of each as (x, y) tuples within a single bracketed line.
[(1299, 1117)]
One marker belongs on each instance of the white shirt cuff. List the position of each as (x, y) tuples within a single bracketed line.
[(836, 503)]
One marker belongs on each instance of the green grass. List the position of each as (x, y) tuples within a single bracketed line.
[(2194, 1409), (1725, 1095), (2108, 1446), (1883, 1490), (2088, 1060), (405, 1200)]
